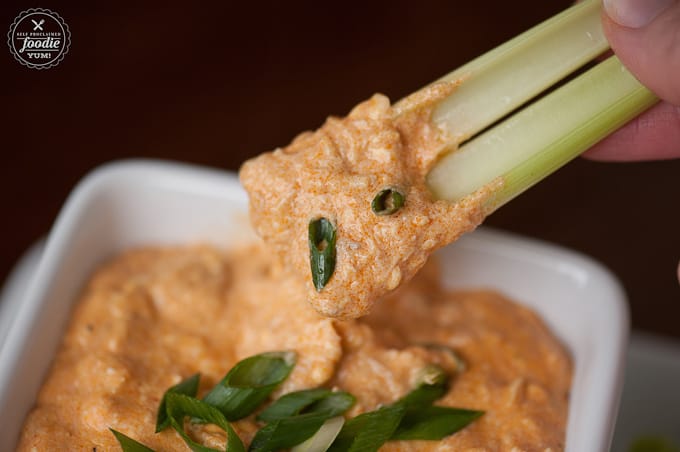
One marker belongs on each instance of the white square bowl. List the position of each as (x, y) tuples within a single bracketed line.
[(133, 203)]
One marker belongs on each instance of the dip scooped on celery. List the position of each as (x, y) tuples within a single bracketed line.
[(347, 206)]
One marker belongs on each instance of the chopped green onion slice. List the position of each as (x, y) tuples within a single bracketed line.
[(287, 432), (433, 422), (180, 406), (319, 400), (421, 420), (291, 404), (337, 402), (322, 236), (387, 201), (431, 384), (187, 387), (368, 431), (323, 438), (308, 420), (249, 383), (298, 416), (128, 444), (411, 417)]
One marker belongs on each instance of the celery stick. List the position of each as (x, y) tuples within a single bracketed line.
[(544, 136), (501, 80)]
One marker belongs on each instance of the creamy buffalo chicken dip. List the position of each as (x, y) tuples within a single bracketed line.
[(347, 222)]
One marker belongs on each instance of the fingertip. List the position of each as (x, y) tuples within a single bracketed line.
[(635, 13), (654, 135), (650, 52)]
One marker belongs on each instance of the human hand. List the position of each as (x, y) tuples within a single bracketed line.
[(645, 35)]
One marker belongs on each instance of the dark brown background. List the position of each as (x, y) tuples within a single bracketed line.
[(216, 84)]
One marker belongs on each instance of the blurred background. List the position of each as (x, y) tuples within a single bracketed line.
[(214, 84)]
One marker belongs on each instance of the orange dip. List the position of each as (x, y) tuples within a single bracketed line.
[(335, 173), (154, 316)]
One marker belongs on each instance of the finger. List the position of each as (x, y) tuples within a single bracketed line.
[(654, 135), (645, 35)]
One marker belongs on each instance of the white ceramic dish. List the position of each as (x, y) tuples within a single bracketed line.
[(132, 203)]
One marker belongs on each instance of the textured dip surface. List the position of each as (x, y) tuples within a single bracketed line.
[(152, 317), (335, 173)]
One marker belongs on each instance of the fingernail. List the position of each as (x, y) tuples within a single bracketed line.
[(635, 13)]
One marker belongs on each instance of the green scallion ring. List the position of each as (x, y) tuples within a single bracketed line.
[(322, 236), (388, 201)]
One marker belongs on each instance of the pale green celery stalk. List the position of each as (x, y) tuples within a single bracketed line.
[(544, 136), (501, 80)]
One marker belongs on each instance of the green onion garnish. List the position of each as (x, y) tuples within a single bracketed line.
[(433, 422), (288, 432), (187, 387), (411, 417), (319, 400), (249, 383), (298, 416), (128, 444), (421, 420), (368, 431), (323, 438), (180, 406), (308, 420), (322, 237), (431, 384), (387, 201)]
